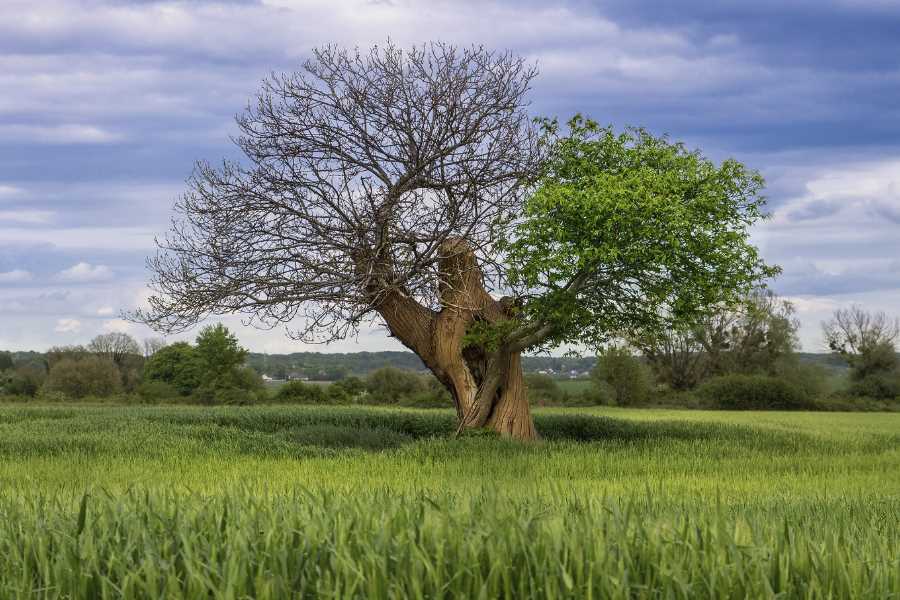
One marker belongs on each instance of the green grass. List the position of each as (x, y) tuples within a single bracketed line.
[(575, 386), (275, 502)]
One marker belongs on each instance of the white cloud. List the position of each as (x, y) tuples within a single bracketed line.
[(118, 326), (83, 271), (29, 217), (108, 238), (9, 191), (105, 311), (15, 276), (57, 134), (68, 326)]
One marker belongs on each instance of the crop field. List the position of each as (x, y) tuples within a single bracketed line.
[(350, 502)]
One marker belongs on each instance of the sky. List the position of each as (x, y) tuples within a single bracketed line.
[(106, 104)]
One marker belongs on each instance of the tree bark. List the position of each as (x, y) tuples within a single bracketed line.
[(486, 384)]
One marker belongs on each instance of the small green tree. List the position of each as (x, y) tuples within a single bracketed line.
[(178, 365), (543, 389), (218, 350), (619, 371)]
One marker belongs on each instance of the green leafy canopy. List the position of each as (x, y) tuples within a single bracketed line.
[(630, 231)]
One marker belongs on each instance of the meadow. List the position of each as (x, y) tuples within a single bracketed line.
[(369, 502)]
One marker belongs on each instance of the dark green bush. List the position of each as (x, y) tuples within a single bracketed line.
[(754, 392), (301, 393), (878, 385)]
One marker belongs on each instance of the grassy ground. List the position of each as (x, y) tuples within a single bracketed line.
[(273, 502)]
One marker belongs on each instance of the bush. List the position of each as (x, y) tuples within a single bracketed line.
[(628, 379), (543, 390), (24, 380), (301, 393), (880, 386), (754, 392), (88, 376), (157, 391)]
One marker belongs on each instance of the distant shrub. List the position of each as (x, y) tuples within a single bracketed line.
[(625, 377), (88, 376), (301, 393), (543, 390), (880, 386), (152, 391), (754, 392), (349, 390), (24, 380)]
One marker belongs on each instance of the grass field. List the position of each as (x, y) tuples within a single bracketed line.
[(279, 502)]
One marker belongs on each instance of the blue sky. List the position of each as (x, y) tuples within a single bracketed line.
[(105, 105)]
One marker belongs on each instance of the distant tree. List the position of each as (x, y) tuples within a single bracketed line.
[(6, 361), (407, 185), (675, 355), (153, 345), (88, 376), (861, 337), (219, 351), (755, 335), (58, 353), (116, 346), (178, 365), (751, 337), (624, 375)]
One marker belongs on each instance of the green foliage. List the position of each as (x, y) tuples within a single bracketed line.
[(6, 361), (24, 380), (156, 390), (878, 359), (88, 376), (626, 378), (880, 385), (301, 393), (218, 350), (754, 392), (627, 227), (178, 365), (543, 390), (396, 386)]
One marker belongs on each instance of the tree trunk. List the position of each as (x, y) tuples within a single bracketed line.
[(487, 385)]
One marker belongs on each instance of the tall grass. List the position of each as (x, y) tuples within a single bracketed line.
[(303, 502)]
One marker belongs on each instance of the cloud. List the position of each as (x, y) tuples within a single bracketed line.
[(67, 326), (9, 191), (57, 134), (26, 216), (15, 276), (105, 311), (117, 326), (84, 272)]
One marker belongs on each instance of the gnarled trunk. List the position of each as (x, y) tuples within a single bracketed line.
[(486, 384)]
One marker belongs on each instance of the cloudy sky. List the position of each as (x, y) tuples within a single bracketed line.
[(105, 105)]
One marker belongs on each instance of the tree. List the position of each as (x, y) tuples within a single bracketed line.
[(177, 365), (752, 337), (412, 188), (219, 352), (626, 377), (116, 346), (757, 335), (88, 376), (861, 336), (153, 345)]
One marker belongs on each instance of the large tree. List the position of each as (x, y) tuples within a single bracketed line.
[(412, 187)]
